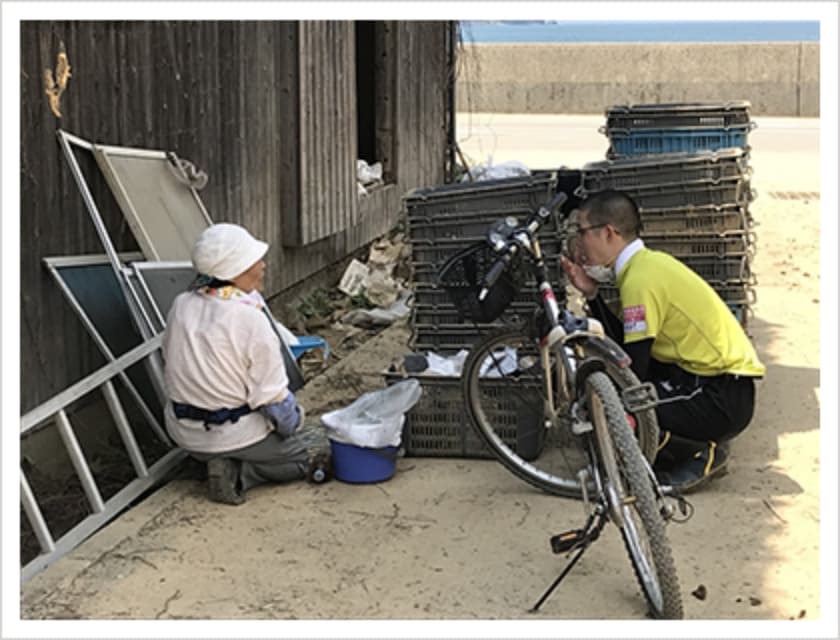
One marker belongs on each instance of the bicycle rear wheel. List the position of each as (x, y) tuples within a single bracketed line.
[(503, 383), (629, 489), (504, 389)]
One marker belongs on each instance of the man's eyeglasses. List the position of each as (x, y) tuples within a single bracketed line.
[(581, 231)]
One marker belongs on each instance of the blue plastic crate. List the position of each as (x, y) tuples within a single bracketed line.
[(633, 142)]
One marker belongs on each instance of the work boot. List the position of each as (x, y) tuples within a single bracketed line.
[(320, 468), (223, 481), (704, 465)]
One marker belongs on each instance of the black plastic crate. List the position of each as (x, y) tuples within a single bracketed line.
[(686, 220), (468, 226), (743, 313), (735, 293), (507, 196), (425, 273), (729, 191), (675, 115), (449, 338), (432, 295), (438, 425), (716, 269), (720, 245), (430, 314), (665, 169), (428, 256)]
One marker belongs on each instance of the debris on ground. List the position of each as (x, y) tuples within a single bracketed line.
[(380, 283), (379, 317), (699, 592), (369, 296)]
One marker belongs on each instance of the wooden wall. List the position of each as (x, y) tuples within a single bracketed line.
[(231, 97)]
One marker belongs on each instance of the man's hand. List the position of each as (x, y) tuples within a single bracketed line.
[(577, 276)]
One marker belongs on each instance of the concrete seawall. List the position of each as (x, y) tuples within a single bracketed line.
[(779, 79)]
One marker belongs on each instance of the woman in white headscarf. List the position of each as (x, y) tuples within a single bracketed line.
[(225, 375)]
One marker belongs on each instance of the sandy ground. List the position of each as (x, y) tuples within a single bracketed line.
[(450, 539)]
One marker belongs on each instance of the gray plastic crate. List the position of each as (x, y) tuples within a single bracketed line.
[(664, 169), (438, 425)]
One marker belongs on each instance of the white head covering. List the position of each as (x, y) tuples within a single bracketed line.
[(225, 251)]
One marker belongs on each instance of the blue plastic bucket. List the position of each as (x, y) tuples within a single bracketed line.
[(360, 465)]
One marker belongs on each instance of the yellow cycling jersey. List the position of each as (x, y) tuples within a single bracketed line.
[(663, 299)]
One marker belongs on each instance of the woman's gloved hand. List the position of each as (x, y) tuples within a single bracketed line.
[(285, 416)]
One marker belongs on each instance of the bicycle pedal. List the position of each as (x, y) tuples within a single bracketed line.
[(568, 540), (640, 397)]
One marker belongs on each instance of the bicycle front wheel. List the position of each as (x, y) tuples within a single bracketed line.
[(505, 392), (629, 490)]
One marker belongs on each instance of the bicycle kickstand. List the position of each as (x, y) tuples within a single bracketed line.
[(579, 539)]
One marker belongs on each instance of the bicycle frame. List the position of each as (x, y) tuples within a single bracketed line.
[(559, 340)]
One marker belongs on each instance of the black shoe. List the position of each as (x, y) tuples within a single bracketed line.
[(320, 468), (223, 481), (706, 464)]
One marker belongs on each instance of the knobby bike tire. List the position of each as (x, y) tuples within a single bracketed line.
[(646, 420), (632, 480), (565, 485)]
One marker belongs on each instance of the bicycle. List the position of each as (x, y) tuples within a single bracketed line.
[(544, 397)]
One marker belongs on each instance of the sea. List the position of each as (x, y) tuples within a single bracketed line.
[(640, 31)]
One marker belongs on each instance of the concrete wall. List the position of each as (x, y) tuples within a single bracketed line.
[(779, 79)]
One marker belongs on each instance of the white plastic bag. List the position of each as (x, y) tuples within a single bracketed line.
[(368, 173), (376, 418), (500, 363), (490, 171), (446, 366)]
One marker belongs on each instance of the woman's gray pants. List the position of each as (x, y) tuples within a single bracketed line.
[(275, 458)]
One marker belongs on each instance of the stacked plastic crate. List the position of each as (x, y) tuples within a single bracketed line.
[(687, 167), (442, 221)]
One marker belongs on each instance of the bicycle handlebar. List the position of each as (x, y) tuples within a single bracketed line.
[(537, 219), (544, 212), (496, 270)]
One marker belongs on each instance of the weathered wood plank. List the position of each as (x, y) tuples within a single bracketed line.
[(230, 97)]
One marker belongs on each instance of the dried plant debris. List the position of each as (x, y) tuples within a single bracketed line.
[(54, 85)]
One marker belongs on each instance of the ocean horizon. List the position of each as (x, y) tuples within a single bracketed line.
[(478, 32)]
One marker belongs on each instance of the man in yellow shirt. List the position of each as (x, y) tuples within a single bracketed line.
[(679, 333)]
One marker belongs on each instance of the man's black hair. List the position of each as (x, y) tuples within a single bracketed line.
[(615, 208)]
